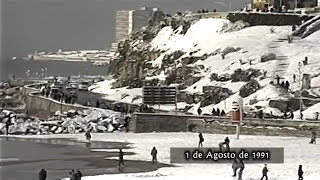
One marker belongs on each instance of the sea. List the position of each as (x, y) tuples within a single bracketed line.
[(26, 68)]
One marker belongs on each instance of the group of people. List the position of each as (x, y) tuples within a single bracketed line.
[(206, 11), (240, 165), (214, 112), (218, 112), (223, 145), (74, 175), (283, 84), (58, 95), (154, 153)]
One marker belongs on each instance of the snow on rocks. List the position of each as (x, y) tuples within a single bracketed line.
[(97, 120)]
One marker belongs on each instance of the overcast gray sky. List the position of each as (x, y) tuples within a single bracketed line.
[(48, 25)]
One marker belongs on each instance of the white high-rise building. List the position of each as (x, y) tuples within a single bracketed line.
[(130, 20)]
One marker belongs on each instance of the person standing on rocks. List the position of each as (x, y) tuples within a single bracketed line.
[(199, 111), (214, 113), (201, 139), (265, 172), (121, 163), (278, 79), (43, 174), (8, 123), (223, 113), (154, 153), (294, 78), (218, 112), (88, 136)]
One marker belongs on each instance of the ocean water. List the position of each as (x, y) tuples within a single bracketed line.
[(19, 68)]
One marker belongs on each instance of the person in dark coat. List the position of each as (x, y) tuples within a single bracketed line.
[(265, 172), (301, 115), (218, 112), (291, 115), (43, 174), (241, 167), (223, 113), (235, 167), (313, 138), (278, 79), (72, 175), (154, 153), (78, 175), (8, 123), (293, 27), (227, 142), (121, 158), (199, 111), (294, 78), (97, 104), (201, 139), (214, 113), (282, 84), (300, 173), (88, 135), (287, 85)]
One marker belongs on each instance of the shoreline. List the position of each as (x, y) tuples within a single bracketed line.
[(92, 159)]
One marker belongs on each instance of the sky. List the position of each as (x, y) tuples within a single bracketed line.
[(50, 25)]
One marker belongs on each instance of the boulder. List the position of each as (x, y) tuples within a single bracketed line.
[(2, 126), (268, 57), (102, 128), (50, 123), (249, 88), (110, 128), (189, 99), (59, 130), (54, 128)]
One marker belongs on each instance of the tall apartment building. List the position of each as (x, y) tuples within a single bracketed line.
[(130, 20)]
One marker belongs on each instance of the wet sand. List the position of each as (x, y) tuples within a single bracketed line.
[(26, 157)]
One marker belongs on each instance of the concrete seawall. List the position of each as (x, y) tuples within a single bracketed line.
[(43, 107), (142, 122)]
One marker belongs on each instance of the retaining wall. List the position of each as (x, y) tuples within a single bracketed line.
[(142, 122)]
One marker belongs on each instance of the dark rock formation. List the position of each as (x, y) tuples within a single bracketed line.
[(268, 57), (249, 88), (245, 75)]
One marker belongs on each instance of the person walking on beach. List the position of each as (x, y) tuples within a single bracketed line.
[(300, 173), (241, 167), (43, 174), (201, 139), (313, 138), (121, 163), (235, 167), (265, 172), (154, 153)]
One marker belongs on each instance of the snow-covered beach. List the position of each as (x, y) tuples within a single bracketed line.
[(296, 151)]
